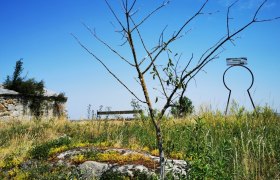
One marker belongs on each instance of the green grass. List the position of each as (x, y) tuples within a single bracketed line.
[(242, 145)]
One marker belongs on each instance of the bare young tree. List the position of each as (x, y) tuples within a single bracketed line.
[(172, 77)]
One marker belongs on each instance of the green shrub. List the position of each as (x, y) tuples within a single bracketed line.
[(242, 145), (110, 174), (21, 85), (182, 108), (41, 152), (31, 89)]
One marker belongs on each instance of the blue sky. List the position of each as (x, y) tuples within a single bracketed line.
[(39, 32)]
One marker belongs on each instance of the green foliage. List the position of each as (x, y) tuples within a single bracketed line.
[(182, 108), (243, 145), (60, 98), (16, 79), (42, 151), (21, 85), (31, 89), (27, 87), (144, 176), (135, 104), (42, 170), (113, 175), (121, 176)]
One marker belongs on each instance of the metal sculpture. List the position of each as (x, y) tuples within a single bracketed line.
[(240, 62)]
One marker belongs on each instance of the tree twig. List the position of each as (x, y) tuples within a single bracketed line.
[(101, 62)]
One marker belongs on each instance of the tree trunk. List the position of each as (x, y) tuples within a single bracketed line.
[(161, 153)]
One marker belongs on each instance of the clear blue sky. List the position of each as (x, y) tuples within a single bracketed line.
[(39, 32)]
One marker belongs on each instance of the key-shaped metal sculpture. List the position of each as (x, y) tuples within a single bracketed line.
[(240, 62)]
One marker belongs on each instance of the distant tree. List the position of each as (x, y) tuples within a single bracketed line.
[(158, 61), (182, 108), (89, 115), (135, 104)]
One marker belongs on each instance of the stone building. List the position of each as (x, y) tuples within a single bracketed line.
[(14, 105)]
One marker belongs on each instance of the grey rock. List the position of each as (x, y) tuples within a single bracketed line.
[(11, 107), (93, 170), (130, 169), (70, 153)]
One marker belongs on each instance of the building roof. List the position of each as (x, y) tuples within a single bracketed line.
[(7, 91), (4, 91), (49, 93)]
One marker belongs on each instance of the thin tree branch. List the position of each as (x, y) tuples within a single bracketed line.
[(132, 6), (160, 42), (257, 12), (176, 66), (184, 70), (220, 40), (267, 20), (101, 62), (228, 11), (151, 53), (93, 33), (141, 78), (160, 39), (149, 15), (114, 14), (198, 70), (173, 38), (205, 60), (148, 53), (264, 20)]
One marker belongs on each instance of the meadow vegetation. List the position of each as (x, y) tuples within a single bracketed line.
[(241, 145)]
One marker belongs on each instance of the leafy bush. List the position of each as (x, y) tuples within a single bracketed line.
[(31, 89), (42, 151), (182, 108), (21, 85), (138, 175)]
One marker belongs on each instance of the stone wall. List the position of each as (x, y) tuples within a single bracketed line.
[(17, 106)]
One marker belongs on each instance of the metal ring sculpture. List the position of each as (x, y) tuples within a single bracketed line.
[(248, 90)]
